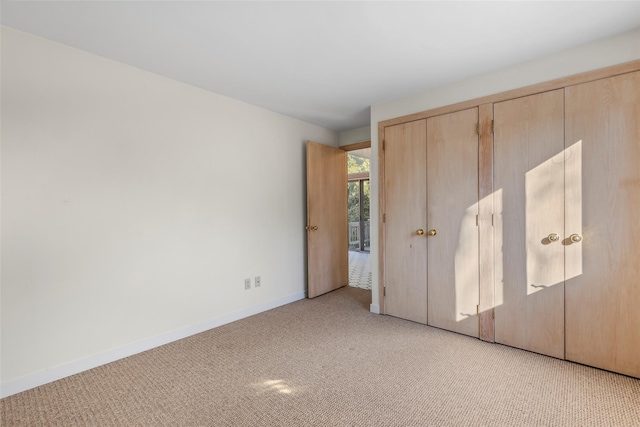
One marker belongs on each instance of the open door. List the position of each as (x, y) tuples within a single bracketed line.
[(327, 225)]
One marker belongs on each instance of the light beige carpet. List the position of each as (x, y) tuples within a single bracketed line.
[(329, 362)]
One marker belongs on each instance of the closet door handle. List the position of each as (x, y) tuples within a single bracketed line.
[(553, 237), (575, 238), (432, 232), (419, 231)]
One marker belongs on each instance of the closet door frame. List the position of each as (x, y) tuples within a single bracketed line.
[(485, 165)]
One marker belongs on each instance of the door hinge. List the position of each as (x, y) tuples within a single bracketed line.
[(493, 129), (478, 310), (477, 220), (493, 313), (384, 291), (478, 129), (492, 220), (383, 145), (384, 218)]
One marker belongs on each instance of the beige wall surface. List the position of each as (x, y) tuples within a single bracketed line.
[(355, 135), (134, 206)]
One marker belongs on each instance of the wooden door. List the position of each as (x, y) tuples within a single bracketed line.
[(603, 215), (327, 223), (405, 200), (452, 201), (529, 222)]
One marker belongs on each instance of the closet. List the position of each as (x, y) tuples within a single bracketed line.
[(405, 220), (561, 222), (602, 269), (529, 203), (431, 237), (452, 206)]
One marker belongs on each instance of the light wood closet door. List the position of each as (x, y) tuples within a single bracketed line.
[(603, 208), (529, 222), (452, 201), (405, 200)]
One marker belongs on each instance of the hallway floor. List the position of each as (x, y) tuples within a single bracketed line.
[(360, 270)]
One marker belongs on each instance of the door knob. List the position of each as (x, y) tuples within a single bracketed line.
[(419, 231), (311, 227), (315, 227), (432, 232), (553, 237), (575, 238)]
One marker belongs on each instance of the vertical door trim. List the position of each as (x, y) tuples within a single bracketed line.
[(381, 227), (486, 324)]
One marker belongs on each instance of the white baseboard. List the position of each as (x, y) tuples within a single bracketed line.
[(374, 308), (61, 371)]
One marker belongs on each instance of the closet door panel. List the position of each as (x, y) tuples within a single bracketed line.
[(603, 214), (452, 204), (529, 222), (406, 212)]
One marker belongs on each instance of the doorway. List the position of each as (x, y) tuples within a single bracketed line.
[(358, 205)]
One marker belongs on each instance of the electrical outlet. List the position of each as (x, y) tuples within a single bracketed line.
[(258, 281), (247, 284)]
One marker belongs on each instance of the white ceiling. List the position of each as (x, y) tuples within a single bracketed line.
[(322, 62)]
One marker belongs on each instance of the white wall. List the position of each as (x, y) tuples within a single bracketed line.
[(355, 135), (133, 208), (618, 49)]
